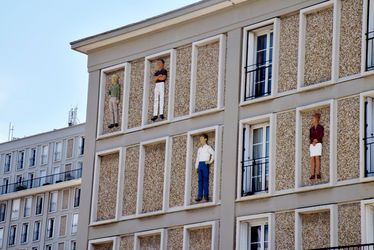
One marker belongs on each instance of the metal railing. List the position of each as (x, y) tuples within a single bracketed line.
[(41, 181), (258, 79), (369, 246), (253, 172), (369, 156), (369, 51)]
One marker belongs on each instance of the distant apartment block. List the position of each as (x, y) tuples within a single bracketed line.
[(262, 80), (40, 190)]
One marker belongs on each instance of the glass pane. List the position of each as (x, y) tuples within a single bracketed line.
[(257, 136), (255, 234), (261, 42)]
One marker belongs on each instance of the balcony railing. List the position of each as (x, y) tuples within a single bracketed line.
[(369, 50), (41, 181), (257, 80), (369, 246), (253, 178), (369, 156)]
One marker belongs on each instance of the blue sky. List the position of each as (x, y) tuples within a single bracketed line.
[(41, 78)]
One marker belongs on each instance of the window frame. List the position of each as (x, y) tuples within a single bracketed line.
[(26, 208), (27, 233), (39, 223), (210, 224), (44, 158), (48, 229), (51, 203), (17, 212), (14, 235)]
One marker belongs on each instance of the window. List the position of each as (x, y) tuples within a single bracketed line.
[(61, 246), (45, 154), (53, 202), (73, 245), (370, 36), (50, 227), (1, 236), (7, 163), (254, 235), (369, 136), (30, 180), (34, 248), (2, 212), (58, 151), (15, 209), (5, 186), (20, 183), (56, 175), (21, 160), (69, 148), (32, 157), (43, 178), (39, 205), (82, 140), (48, 247), (27, 207), (24, 232), (36, 232), (12, 235), (78, 170), (77, 197), (255, 158), (74, 224)]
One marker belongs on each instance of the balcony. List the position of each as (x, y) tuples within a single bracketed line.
[(369, 156), (255, 174), (41, 181), (257, 80), (369, 246)]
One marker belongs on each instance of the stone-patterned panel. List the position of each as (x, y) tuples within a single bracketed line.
[(285, 151), (130, 180), (318, 46), (62, 230), (151, 242), (194, 175), (350, 37), (136, 94), (178, 168), (69, 148), (127, 242), (349, 227), (316, 230), (206, 92), (288, 52), (107, 193), (348, 138), (306, 120), (285, 230), (153, 181), (151, 89), (107, 116), (175, 239), (182, 81), (103, 246), (200, 239)]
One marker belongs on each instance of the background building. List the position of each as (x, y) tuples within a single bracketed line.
[(40, 190), (250, 74)]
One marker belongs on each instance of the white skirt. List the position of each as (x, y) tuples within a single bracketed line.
[(315, 150)]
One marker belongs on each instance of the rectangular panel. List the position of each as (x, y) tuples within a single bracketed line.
[(316, 230), (285, 230), (349, 228), (200, 238), (130, 180), (175, 239), (136, 94), (150, 242)]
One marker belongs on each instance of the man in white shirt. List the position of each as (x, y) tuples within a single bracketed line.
[(205, 156)]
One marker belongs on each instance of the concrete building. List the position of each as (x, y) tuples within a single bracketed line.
[(40, 190), (250, 74)]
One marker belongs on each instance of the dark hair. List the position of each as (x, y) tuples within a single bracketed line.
[(205, 136), (317, 115), (161, 60)]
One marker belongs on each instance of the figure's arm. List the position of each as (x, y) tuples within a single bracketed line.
[(310, 136), (212, 155), (197, 159), (162, 77)]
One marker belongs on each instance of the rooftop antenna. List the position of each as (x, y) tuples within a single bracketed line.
[(10, 132), (73, 120)]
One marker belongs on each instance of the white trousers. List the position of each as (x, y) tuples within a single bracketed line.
[(315, 150), (113, 109), (158, 104)]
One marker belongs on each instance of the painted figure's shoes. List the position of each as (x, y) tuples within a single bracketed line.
[(318, 176), (162, 117), (115, 124), (111, 126), (206, 198), (312, 177), (198, 199), (154, 118)]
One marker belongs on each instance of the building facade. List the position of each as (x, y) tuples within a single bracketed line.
[(250, 75), (40, 190)]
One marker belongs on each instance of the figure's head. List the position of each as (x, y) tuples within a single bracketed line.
[(203, 139), (160, 63), (316, 118), (115, 78)]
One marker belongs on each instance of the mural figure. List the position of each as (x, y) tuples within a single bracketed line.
[(159, 79), (114, 98), (316, 133), (205, 157)]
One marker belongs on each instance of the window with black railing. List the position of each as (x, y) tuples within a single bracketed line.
[(368, 139), (368, 246), (259, 64), (255, 175), (40, 181)]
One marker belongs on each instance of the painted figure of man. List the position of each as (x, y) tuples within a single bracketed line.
[(159, 79), (114, 97), (316, 133), (205, 156)]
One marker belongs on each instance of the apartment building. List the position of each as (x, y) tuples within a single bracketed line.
[(40, 190), (251, 75)]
